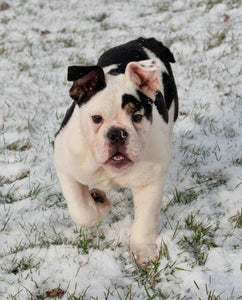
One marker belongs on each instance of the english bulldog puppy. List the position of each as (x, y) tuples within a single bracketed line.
[(116, 134)]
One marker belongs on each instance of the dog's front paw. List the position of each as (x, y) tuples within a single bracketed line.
[(99, 197), (143, 253), (101, 202)]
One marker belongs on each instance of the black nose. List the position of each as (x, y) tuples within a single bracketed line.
[(117, 136)]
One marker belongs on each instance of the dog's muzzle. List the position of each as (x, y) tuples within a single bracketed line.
[(118, 160)]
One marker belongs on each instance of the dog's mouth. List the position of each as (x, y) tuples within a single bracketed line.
[(118, 162), (119, 157)]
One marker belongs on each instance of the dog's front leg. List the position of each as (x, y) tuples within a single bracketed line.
[(144, 229), (87, 208)]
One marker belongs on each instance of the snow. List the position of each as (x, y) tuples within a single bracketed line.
[(41, 248)]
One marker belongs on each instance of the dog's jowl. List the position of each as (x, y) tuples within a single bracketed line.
[(116, 134)]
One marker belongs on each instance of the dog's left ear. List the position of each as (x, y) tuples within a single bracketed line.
[(144, 75), (86, 82)]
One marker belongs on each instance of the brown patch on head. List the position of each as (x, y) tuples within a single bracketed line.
[(130, 108), (131, 104)]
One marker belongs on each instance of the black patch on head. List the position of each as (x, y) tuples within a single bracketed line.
[(132, 104), (135, 51), (161, 106), (118, 70), (67, 117), (146, 103), (122, 55)]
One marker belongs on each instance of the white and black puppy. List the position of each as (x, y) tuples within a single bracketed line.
[(116, 134)]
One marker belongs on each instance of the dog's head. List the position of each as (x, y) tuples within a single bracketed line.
[(116, 111)]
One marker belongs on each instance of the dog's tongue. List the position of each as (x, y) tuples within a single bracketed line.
[(118, 157)]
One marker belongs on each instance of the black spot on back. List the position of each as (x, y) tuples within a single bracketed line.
[(161, 106), (67, 117), (170, 92)]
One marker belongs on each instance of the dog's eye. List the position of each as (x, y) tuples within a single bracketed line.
[(97, 119), (137, 118)]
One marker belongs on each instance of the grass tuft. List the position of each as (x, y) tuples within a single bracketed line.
[(185, 197), (19, 146), (237, 219), (216, 39), (100, 17), (20, 265), (198, 241)]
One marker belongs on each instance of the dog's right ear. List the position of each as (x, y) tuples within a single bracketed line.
[(86, 82)]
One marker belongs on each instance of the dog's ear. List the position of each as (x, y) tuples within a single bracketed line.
[(86, 82), (144, 75)]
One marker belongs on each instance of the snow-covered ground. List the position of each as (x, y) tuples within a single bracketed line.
[(42, 252)]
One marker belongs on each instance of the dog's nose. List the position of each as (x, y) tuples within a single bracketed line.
[(117, 136)]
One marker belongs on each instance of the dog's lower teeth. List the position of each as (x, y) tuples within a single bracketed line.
[(118, 157)]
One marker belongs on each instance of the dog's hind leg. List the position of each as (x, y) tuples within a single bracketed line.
[(87, 208)]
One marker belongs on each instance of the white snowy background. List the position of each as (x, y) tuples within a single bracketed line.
[(43, 254)]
